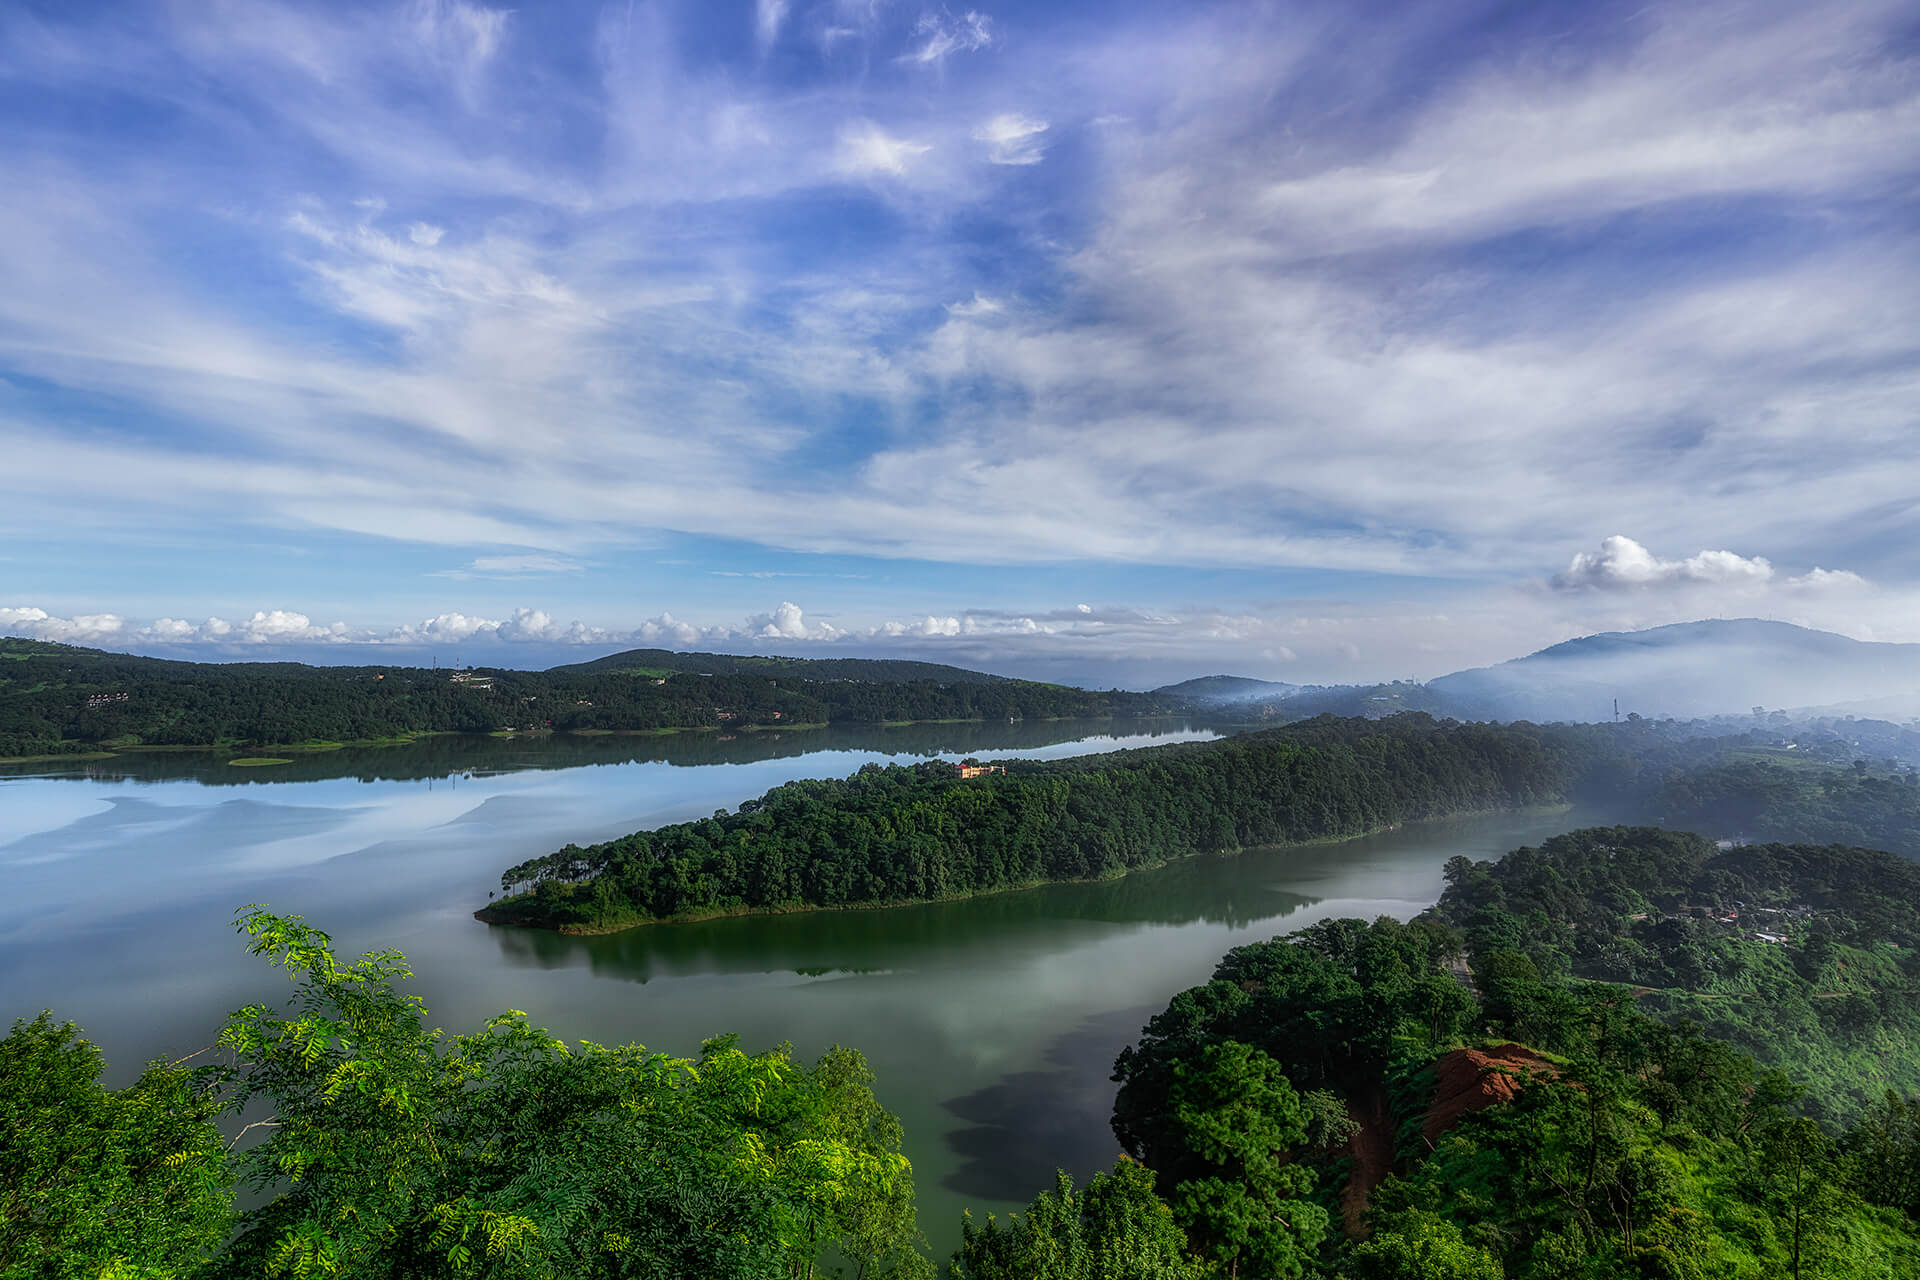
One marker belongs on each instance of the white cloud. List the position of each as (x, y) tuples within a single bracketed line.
[(941, 35), (1818, 579), (265, 626), (768, 17), (788, 622), (1012, 138), (867, 148), (978, 305), (1621, 564), (38, 624), (514, 566), (465, 36)]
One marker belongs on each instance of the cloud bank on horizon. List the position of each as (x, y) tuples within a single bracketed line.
[(1325, 339)]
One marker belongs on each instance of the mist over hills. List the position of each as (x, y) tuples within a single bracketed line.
[(1689, 669), (1227, 691)]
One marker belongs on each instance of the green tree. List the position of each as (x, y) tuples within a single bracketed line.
[(505, 1153), (1238, 1115), (1797, 1170), (1417, 1245), (98, 1182), (1117, 1229)]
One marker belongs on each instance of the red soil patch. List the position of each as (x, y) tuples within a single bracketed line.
[(1469, 1080), (1372, 1149)]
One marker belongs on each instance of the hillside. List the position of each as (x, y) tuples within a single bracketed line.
[(866, 670), (1802, 955), (1687, 669), (1222, 691)]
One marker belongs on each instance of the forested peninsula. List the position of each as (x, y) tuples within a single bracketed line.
[(61, 700), (907, 833)]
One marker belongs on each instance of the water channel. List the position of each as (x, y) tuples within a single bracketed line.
[(992, 1024)]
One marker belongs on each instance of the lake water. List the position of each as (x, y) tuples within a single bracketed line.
[(992, 1024)]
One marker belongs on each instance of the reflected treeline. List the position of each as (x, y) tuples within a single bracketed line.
[(1232, 891), (448, 755), (1016, 1131)]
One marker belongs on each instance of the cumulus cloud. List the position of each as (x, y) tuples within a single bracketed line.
[(1012, 138), (38, 624), (927, 627), (788, 622), (1621, 564), (264, 627), (1818, 579)]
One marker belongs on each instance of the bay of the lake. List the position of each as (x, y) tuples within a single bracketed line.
[(991, 1024)]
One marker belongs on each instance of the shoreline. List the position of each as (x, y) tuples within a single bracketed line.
[(105, 751), (600, 931)]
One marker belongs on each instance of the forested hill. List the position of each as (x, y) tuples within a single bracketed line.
[(58, 699), (920, 832), (1806, 956), (865, 670), (1335, 1104)]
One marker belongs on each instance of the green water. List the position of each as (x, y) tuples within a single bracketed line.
[(992, 1024)]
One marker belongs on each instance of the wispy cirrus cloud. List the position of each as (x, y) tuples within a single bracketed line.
[(940, 35), (1012, 138)]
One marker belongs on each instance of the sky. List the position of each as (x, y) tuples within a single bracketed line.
[(1113, 342)]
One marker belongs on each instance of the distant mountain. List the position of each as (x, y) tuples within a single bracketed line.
[(1684, 670), (1226, 691), (867, 670)]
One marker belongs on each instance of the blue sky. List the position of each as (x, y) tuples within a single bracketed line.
[(1319, 342)]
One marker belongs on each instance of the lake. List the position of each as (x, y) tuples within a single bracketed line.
[(992, 1024)]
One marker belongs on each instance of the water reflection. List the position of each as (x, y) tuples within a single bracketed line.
[(1016, 1131), (457, 757), (1233, 892)]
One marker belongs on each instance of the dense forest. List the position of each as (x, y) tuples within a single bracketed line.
[(57, 699), (1766, 800), (1802, 955), (917, 832)]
